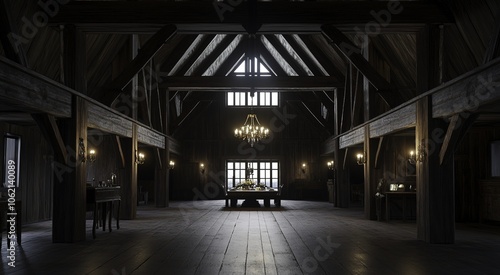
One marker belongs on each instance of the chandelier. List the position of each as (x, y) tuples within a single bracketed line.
[(251, 131)]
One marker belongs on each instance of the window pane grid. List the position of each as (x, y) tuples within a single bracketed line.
[(264, 172)]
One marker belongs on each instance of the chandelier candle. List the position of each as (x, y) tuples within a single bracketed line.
[(251, 131)]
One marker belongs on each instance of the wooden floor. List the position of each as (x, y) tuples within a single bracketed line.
[(301, 237)]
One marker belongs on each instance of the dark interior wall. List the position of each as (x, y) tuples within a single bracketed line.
[(36, 174), (396, 167), (472, 170), (294, 140)]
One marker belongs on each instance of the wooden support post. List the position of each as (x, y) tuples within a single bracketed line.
[(341, 186), (129, 184), (130, 147), (68, 220), (371, 175), (435, 182), (162, 181), (70, 173)]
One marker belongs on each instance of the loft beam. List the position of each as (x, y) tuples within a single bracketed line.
[(214, 83), (197, 17)]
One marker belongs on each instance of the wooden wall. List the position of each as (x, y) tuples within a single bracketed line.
[(209, 140), (36, 175), (472, 166)]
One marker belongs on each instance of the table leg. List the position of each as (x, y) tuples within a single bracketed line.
[(95, 220), (118, 215), (110, 214), (234, 202), (267, 202), (387, 208)]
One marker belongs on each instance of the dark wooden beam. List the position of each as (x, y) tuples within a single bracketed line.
[(380, 153), (9, 36), (194, 53), (120, 151), (113, 90), (270, 60), (189, 116), (177, 55), (275, 17), (236, 55), (48, 126), (493, 49), (353, 53), (326, 60), (457, 128), (212, 56), (291, 61), (305, 55), (214, 83)]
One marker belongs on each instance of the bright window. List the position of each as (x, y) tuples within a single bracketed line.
[(252, 68), (261, 171)]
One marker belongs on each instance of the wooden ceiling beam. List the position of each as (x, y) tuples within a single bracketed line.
[(296, 17), (195, 53), (306, 55), (324, 59), (214, 83), (353, 53), (269, 59), (228, 65), (212, 56), (153, 45), (9, 38)]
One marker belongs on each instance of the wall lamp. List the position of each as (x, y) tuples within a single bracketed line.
[(202, 168), (331, 165), (92, 155), (171, 165), (139, 157), (418, 156), (360, 159), (303, 168)]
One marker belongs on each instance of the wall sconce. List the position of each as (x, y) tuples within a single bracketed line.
[(331, 165), (81, 150), (92, 155), (360, 159), (171, 165), (202, 168), (303, 168), (419, 156), (139, 157)]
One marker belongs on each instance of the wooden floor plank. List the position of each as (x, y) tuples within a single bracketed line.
[(301, 237)]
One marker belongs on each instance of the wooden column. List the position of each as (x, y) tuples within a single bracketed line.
[(435, 182), (371, 175), (162, 181), (70, 181), (129, 184), (341, 185), (131, 150)]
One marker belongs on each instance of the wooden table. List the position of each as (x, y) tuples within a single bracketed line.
[(266, 195), (4, 216), (397, 194), (98, 200)]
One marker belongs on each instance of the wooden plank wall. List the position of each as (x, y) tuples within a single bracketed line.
[(295, 140), (472, 165), (36, 175)]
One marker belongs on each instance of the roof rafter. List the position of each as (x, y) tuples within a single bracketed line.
[(113, 90), (197, 17)]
